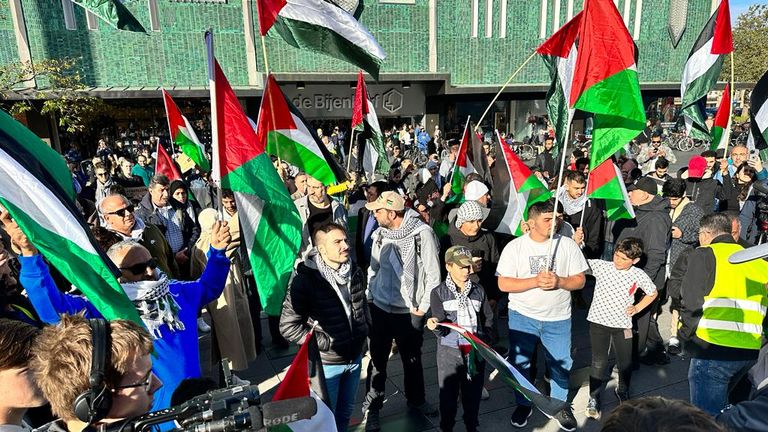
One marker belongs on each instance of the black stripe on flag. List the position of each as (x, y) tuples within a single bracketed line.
[(500, 192), (758, 100), (707, 33)]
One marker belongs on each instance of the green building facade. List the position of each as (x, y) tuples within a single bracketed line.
[(445, 58)]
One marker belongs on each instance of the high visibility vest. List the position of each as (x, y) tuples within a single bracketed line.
[(734, 310)]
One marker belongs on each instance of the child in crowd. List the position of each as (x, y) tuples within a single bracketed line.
[(459, 301), (610, 317)]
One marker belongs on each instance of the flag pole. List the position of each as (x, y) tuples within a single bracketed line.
[(730, 114), (450, 174), (266, 70), (560, 176), (215, 165), (586, 188), (501, 90), (165, 104)]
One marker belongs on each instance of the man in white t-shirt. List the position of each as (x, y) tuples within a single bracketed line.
[(540, 305)]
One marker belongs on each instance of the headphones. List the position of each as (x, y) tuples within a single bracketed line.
[(94, 404)]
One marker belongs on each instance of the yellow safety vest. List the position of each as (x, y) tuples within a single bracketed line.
[(734, 310)]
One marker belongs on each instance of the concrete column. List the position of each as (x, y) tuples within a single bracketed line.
[(433, 36), (22, 39), (254, 77)]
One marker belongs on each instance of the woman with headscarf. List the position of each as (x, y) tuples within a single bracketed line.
[(740, 195)]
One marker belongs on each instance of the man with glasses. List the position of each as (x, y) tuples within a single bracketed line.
[(168, 308), (651, 152), (61, 362), (103, 182), (722, 311), (118, 215)]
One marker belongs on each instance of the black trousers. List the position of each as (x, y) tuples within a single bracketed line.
[(648, 335), (602, 338), (407, 331), (452, 379)]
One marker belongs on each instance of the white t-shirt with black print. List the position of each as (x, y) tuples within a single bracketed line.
[(615, 292)]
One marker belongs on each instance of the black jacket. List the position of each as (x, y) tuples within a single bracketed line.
[(363, 251), (698, 282), (189, 228), (593, 228), (546, 162), (482, 245), (312, 299), (653, 226), (702, 191), (442, 296)]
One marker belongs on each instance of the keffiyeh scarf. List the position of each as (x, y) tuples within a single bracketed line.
[(405, 239), (155, 303), (571, 205)]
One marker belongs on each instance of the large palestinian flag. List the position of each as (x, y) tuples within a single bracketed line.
[(370, 150), (605, 80), (605, 183), (285, 133), (559, 55), (269, 221), (114, 13), (37, 191), (515, 188), (722, 124), (462, 167), (703, 68), (758, 121), (305, 378), (547, 405), (183, 135), (321, 26)]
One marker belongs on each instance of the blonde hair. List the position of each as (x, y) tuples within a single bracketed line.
[(62, 356)]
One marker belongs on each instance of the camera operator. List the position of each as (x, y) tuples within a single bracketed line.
[(741, 193), (94, 372)]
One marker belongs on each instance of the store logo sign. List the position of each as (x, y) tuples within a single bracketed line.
[(392, 101)]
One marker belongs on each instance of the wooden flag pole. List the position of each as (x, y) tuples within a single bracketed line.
[(501, 90), (584, 210), (560, 176), (215, 163)]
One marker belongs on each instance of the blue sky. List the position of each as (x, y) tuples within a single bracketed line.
[(740, 6)]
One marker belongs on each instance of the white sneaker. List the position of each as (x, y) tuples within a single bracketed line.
[(202, 326), (485, 395)]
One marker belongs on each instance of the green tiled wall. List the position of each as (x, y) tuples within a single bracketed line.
[(176, 54)]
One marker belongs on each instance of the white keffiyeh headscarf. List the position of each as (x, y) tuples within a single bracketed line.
[(155, 303)]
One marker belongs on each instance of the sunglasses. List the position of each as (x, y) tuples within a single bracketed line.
[(122, 212), (140, 268)]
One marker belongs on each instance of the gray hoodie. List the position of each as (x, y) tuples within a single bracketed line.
[(385, 287)]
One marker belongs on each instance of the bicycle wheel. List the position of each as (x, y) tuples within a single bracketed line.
[(686, 144), (527, 152)]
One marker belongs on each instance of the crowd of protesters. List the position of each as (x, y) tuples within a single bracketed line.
[(369, 280)]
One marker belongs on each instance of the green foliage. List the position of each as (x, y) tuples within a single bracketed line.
[(59, 86), (750, 45)]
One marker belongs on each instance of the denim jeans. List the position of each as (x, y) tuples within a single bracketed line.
[(710, 382), (524, 334), (341, 381)]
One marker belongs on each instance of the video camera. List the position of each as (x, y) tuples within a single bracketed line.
[(233, 408)]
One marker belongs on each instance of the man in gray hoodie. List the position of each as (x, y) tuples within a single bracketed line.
[(405, 268)]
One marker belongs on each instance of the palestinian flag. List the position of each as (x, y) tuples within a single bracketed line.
[(183, 135), (605, 80), (515, 188), (703, 68), (370, 140), (605, 183), (722, 125), (477, 156), (322, 26), (37, 190), (284, 132), (164, 164), (269, 221), (305, 378), (462, 167), (758, 130), (547, 405), (113, 12), (559, 55)]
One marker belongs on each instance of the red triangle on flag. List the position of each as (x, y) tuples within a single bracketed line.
[(268, 11), (560, 43), (175, 118), (274, 113), (165, 165), (723, 40), (360, 109), (518, 170), (296, 381)]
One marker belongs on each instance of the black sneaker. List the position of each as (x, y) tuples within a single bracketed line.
[(425, 408), (566, 420), (520, 416), (371, 421), (622, 396), (593, 409)]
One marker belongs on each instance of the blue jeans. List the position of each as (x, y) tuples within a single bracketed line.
[(525, 334), (710, 381), (341, 382)]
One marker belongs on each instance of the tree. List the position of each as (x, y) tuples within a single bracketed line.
[(59, 87), (750, 46)]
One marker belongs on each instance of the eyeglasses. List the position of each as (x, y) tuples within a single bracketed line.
[(140, 268), (146, 383), (122, 212)]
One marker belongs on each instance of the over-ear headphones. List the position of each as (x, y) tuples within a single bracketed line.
[(94, 404)]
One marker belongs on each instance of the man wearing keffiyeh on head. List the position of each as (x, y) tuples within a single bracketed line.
[(460, 301), (404, 269), (167, 307)]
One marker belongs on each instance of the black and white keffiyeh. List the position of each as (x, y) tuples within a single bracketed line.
[(405, 239), (466, 315), (155, 303)]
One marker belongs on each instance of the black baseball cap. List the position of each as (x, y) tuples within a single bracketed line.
[(644, 184)]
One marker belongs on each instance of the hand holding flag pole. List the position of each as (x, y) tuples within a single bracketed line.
[(216, 161)]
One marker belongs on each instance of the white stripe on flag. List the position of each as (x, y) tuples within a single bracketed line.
[(323, 420), (249, 211), (31, 196), (697, 65), (761, 118)]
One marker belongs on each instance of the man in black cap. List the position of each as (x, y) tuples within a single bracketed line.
[(653, 226)]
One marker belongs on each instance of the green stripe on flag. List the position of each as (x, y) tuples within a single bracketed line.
[(614, 207), (298, 154), (192, 150)]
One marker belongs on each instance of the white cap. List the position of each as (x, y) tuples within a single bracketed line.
[(475, 190)]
